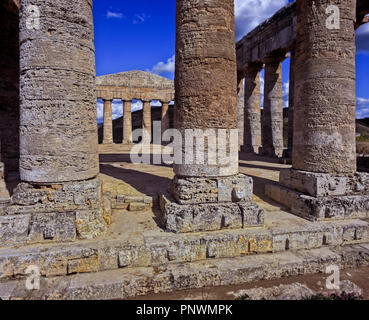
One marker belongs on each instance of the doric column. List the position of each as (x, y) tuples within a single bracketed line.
[(58, 134), (324, 136), (59, 196), (324, 147), (252, 132), (207, 193), (291, 97), (273, 108), (240, 108), (127, 121), (146, 120), (108, 122), (164, 116)]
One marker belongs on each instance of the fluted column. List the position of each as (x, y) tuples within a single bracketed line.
[(273, 108), (206, 78), (164, 116), (291, 98), (324, 135), (208, 193), (252, 130), (127, 121), (108, 122), (146, 120)]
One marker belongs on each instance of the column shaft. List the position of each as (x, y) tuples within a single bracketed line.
[(164, 116), (108, 123), (206, 79), (273, 109), (240, 107), (146, 120), (252, 132), (291, 98), (324, 119), (58, 126), (127, 121)]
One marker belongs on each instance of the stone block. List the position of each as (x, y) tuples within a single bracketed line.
[(14, 229), (124, 258), (338, 207), (90, 224), (209, 216), (52, 226), (189, 190), (314, 184)]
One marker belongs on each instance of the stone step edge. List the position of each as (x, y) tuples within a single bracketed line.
[(59, 260), (131, 282)]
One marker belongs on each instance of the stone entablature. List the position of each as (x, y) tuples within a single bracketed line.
[(278, 34), (135, 85)]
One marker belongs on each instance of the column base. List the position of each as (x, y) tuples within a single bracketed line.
[(271, 152), (319, 196), (209, 204), (54, 213), (107, 142)]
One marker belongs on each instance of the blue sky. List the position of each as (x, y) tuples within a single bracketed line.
[(140, 35)]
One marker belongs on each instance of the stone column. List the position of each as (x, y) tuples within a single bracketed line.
[(146, 120), (324, 157), (108, 122), (207, 193), (273, 108), (324, 136), (252, 132), (164, 116), (59, 196), (127, 121), (291, 98), (240, 108)]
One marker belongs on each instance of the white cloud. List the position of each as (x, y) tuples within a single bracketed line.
[(112, 14), (362, 108), (162, 67), (250, 13), (140, 18)]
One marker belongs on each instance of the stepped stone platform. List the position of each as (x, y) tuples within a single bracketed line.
[(138, 256)]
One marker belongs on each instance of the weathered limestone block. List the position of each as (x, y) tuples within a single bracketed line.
[(335, 207), (209, 216), (58, 227), (314, 184), (90, 224), (14, 229), (49, 198)]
